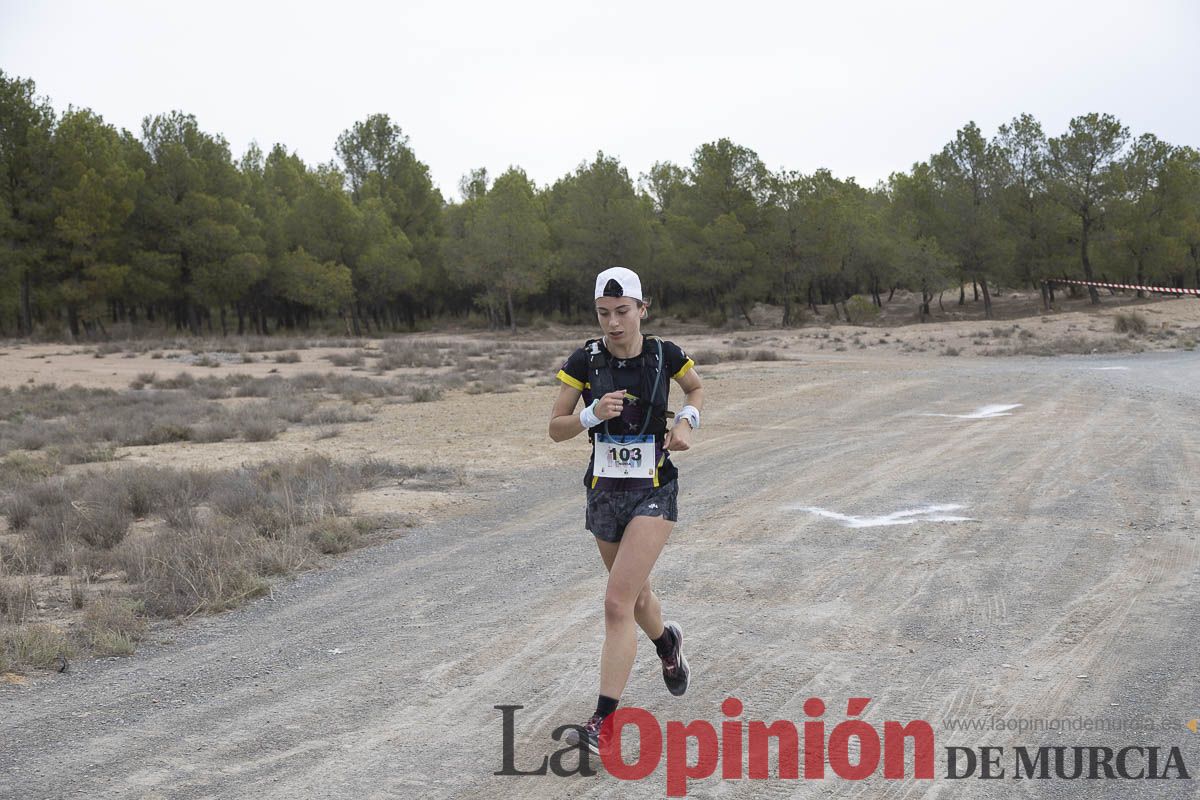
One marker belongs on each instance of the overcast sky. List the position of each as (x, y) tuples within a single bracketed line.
[(863, 88)]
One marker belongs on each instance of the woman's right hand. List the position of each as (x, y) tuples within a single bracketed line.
[(609, 406)]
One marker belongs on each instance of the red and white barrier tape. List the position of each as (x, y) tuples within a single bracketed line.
[(1158, 289)]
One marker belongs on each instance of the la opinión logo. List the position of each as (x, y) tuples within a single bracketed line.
[(737, 740)]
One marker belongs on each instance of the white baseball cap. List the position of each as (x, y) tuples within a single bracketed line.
[(619, 282)]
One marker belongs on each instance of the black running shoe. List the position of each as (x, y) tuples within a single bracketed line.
[(676, 674), (589, 734)]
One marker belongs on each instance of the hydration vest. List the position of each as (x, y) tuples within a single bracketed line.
[(652, 394)]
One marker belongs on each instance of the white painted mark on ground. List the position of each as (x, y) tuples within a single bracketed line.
[(1106, 368), (983, 412), (935, 513)]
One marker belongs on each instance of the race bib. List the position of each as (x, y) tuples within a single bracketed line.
[(623, 456)]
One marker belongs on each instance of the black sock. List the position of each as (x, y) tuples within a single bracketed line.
[(664, 643), (605, 706)]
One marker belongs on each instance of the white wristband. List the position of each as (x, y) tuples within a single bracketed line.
[(588, 418), (691, 414)]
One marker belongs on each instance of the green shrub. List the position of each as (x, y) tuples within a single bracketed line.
[(860, 307)]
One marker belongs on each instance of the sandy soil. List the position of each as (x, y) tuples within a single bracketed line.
[(1070, 589)]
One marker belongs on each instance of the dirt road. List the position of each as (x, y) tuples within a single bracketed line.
[(1071, 591)]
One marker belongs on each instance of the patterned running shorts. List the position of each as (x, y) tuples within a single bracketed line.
[(608, 512)]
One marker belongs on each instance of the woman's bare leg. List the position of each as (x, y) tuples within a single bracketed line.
[(640, 546), (647, 610)]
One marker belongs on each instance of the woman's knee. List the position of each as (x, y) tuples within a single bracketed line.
[(617, 607)]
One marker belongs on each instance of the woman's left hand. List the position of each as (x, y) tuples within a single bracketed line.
[(679, 437)]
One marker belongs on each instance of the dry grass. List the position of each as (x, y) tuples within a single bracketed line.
[(17, 600), (708, 357), (1064, 345), (351, 359), (204, 567), (1129, 322), (44, 428), (34, 645), (112, 626), (336, 415), (207, 541), (425, 394)]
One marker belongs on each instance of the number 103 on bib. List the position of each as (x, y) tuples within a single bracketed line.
[(624, 456)]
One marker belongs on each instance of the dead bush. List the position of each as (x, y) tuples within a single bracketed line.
[(1129, 322), (207, 568), (17, 600), (333, 415), (352, 359), (102, 525), (425, 394), (334, 535), (258, 423)]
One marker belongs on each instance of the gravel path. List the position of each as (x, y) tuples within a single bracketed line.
[(378, 677)]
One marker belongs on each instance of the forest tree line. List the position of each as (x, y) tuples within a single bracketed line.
[(101, 226)]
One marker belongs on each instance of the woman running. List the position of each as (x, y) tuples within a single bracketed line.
[(624, 378)]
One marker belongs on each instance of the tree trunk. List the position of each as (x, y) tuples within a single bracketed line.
[(975, 289), (745, 314), (1087, 265), (26, 322), (962, 293), (512, 317), (193, 317), (987, 299)]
